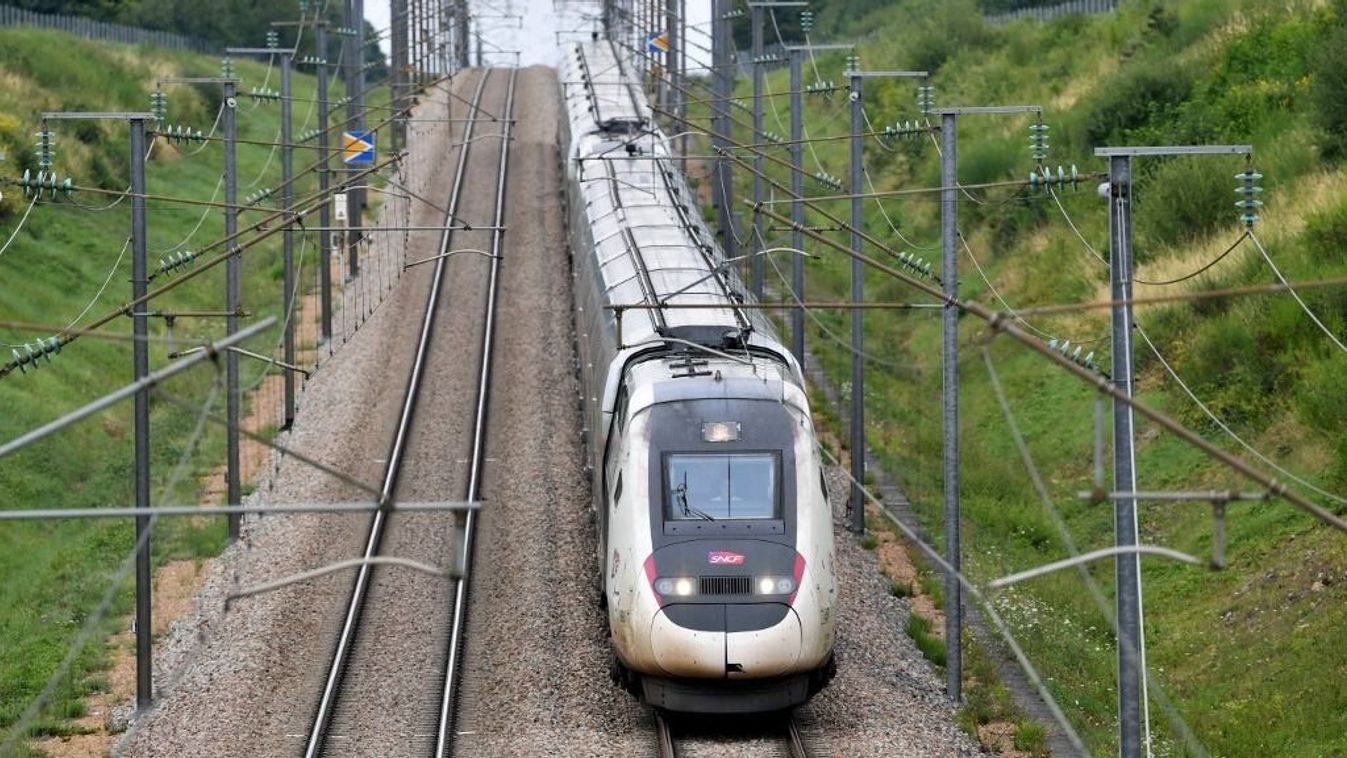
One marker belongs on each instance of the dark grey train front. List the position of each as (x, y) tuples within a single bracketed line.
[(715, 537)]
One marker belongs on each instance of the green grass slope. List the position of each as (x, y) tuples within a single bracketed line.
[(1251, 656), (64, 267)]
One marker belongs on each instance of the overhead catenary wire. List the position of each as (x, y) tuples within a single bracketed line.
[(1176, 719), (93, 622), (1224, 427), (1069, 222), (1289, 288), (1187, 297), (828, 332), (1201, 269), (1002, 629), (19, 227), (1000, 323), (260, 229), (1007, 306)]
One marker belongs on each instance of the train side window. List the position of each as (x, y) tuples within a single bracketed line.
[(620, 406), (617, 489)]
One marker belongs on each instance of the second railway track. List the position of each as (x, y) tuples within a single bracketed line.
[(388, 688), (771, 736)]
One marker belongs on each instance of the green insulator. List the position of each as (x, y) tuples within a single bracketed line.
[(926, 99), (159, 105), (1038, 141), (45, 153), (1249, 192)]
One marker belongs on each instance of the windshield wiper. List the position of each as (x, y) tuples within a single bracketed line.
[(681, 491)]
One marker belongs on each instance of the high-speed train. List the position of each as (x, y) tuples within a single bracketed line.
[(715, 536)]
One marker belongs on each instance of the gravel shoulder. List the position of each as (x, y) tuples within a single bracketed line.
[(391, 689), (243, 682), (536, 662), (240, 680)]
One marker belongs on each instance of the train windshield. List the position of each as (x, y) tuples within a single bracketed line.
[(713, 487)]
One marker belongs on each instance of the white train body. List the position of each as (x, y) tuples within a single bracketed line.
[(715, 537)]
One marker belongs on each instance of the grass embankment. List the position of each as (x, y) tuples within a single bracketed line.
[(55, 572), (1250, 656)]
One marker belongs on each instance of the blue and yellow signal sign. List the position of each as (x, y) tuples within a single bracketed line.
[(657, 42), (357, 148)]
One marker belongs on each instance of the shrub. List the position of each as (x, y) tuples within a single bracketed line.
[(931, 646), (1142, 93), (1329, 91), (946, 28), (1327, 233), (1322, 398), (1031, 737), (900, 589), (1183, 199)]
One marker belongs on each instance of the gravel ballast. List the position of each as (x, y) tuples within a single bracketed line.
[(242, 681), (536, 663)]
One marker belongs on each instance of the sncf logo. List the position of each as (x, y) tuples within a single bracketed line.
[(724, 558)]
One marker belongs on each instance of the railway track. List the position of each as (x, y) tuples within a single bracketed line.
[(377, 616), (448, 703), (776, 736)]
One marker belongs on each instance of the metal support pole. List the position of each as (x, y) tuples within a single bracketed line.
[(446, 36), (679, 93), (857, 316), (325, 207), (140, 359), (949, 274), (797, 203), (288, 236), (756, 262), (398, 45), (359, 104), (233, 276), (642, 25), (722, 128), (461, 20), (354, 107), (671, 32), (413, 40), (1127, 568)]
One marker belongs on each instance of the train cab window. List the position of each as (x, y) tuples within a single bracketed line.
[(714, 487)]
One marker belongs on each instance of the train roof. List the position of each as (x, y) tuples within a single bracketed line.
[(652, 249), (654, 254), (597, 91)]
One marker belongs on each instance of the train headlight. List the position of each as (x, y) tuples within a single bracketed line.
[(720, 431), (676, 586), (775, 585)]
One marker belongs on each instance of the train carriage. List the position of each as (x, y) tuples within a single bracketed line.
[(715, 536)]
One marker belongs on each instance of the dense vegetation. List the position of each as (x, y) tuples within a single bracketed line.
[(1249, 656), (229, 23), (56, 572)]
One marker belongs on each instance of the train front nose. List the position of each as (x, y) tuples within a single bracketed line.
[(730, 640)]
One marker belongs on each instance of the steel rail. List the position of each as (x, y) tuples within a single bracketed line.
[(665, 736), (444, 734), (795, 739), (667, 746), (345, 642)]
